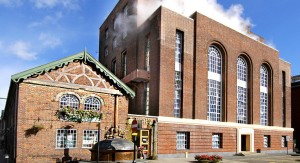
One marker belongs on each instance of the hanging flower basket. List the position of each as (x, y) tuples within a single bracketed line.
[(75, 115), (33, 130)]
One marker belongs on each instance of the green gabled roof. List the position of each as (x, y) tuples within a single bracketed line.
[(82, 56)]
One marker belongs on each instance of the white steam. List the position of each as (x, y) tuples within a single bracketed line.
[(231, 17)]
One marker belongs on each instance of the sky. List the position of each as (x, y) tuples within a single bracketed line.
[(35, 32)]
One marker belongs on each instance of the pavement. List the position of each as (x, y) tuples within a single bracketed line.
[(252, 158), (248, 158)]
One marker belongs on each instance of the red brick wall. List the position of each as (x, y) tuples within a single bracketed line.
[(170, 22), (286, 67), (209, 32), (275, 142), (201, 138), (37, 105)]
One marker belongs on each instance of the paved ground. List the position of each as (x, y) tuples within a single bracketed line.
[(257, 158), (253, 158)]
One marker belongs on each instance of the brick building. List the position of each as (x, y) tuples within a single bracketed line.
[(212, 88), (295, 109), (33, 132)]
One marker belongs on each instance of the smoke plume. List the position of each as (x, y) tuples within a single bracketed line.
[(231, 17)]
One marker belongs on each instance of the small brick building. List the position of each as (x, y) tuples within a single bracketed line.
[(212, 89), (33, 132)]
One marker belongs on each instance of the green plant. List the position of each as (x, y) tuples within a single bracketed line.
[(75, 115), (33, 130), (212, 158)]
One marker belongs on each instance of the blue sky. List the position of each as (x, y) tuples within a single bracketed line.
[(35, 32)]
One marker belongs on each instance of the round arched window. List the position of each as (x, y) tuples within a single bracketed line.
[(69, 100), (92, 103)]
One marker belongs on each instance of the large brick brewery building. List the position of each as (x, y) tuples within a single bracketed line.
[(32, 131), (213, 89)]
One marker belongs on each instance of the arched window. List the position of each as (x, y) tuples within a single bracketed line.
[(92, 103), (214, 84), (69, 100), (242, 83), (264, 96)]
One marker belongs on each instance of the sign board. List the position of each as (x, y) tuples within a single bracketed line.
[(134, 126), (288, 138)]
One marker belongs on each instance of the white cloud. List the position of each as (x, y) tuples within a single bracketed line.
[(69, 4), (49, 40), (47, 20), (22, 50), (231, 17), (11, 3)]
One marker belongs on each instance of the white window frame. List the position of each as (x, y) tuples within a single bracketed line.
[(182, 141), (69, 100), (283, 141), (217, 140), (267, 140), (87, 140), (214, 85), (178, 74), (92, 103), (264, 96), (63, 136), (242, 93)]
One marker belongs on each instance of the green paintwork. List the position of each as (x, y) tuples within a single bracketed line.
[(82, 56)]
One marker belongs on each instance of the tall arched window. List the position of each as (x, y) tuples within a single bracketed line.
[(92, 103), (69, 100), (263, 96), (214, 84), (242, 83)]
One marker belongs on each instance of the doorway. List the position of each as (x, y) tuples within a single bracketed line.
[(245, 142)]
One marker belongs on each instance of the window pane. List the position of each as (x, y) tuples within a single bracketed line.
[(178, 75), (263, 96), (92, 103), (214, 88), (90, 137), (66, 138), (69, 100), (216, 140), (182, 140)]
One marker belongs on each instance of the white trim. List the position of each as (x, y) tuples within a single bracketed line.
[(245, 131), (263, 89), (242, 83), (214, 76), (177, 66), (185, 121)]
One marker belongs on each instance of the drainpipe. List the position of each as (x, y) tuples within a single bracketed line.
[(116, 111)]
